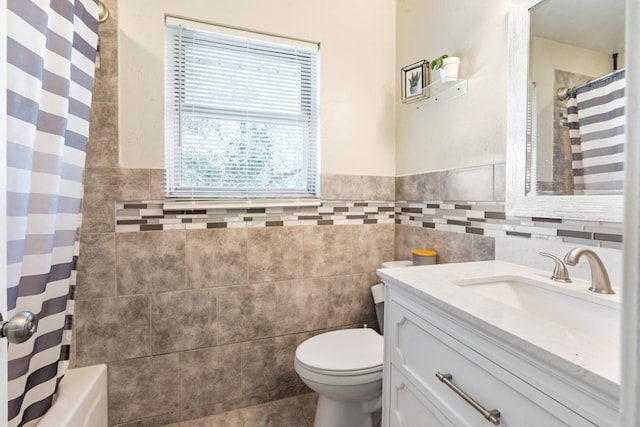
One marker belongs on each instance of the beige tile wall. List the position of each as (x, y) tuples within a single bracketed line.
[(460, 213), (451, 247), (213, 317), (481, 184)]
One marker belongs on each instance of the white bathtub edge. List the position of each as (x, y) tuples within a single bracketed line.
[(81, 400)]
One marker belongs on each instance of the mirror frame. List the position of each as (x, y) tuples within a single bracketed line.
[(589, 207)]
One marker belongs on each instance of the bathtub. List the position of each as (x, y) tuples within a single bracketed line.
[(81, 400)]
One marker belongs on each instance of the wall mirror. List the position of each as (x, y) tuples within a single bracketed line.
[(565, 127)]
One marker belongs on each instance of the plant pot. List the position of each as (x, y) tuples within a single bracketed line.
[(449, 69)]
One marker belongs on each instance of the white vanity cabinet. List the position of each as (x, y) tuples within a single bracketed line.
[(424, 340)]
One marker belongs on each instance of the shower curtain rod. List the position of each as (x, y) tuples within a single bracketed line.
[(564, 92)]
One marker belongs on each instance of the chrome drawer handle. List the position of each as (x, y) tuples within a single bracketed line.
[(493, 415)]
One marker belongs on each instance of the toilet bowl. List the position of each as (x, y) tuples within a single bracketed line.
[(345, 368)]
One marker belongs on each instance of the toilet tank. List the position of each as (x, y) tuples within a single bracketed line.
[(396, 264)]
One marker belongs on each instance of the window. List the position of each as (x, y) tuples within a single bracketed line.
[(241, 116)]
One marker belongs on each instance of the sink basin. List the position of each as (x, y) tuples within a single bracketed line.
[(570, 305)]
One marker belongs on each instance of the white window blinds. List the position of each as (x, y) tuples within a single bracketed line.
[(241, 117)]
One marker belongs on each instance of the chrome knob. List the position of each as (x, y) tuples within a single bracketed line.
[(20, 327)]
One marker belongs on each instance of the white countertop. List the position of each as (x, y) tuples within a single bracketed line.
[(577, 354)]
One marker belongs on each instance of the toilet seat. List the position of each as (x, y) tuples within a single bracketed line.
[(343, 352)]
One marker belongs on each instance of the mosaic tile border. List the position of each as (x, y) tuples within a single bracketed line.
[(489, 219), (150, 216), (480, 218)]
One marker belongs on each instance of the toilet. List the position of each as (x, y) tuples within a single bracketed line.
[(345, 368)]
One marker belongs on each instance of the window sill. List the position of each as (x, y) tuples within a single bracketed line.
[(181, 205)]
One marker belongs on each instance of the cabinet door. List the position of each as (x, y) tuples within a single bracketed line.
[(419, 350)]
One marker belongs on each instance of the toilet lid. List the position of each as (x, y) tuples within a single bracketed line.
[(344, 350)]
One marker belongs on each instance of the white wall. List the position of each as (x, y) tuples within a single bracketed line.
[(357, 48), (469, 130)]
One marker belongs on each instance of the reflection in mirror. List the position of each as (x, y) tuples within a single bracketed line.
[(575, 110), (521, 201)]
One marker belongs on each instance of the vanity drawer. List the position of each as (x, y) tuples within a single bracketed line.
[(419, 350), (410, 407)]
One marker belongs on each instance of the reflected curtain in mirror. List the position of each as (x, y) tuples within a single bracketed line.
[(596, 131)]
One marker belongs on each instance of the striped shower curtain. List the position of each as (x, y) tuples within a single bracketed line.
[(596, 131), (51, 47)]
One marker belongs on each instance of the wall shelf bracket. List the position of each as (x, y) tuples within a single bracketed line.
[(440, 91)]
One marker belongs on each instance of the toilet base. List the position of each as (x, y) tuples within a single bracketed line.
[(333, 413)]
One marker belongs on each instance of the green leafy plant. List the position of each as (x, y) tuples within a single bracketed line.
[(414, 79), (437, 63)]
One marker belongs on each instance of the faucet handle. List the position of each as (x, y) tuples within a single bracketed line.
[(560, 273)]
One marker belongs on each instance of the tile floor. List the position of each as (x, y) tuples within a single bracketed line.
[(292, 412)]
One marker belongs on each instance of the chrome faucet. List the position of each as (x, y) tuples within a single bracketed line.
[(600, 282)]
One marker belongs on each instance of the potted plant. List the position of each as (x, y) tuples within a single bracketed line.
[(448, 66), (413, 82)]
